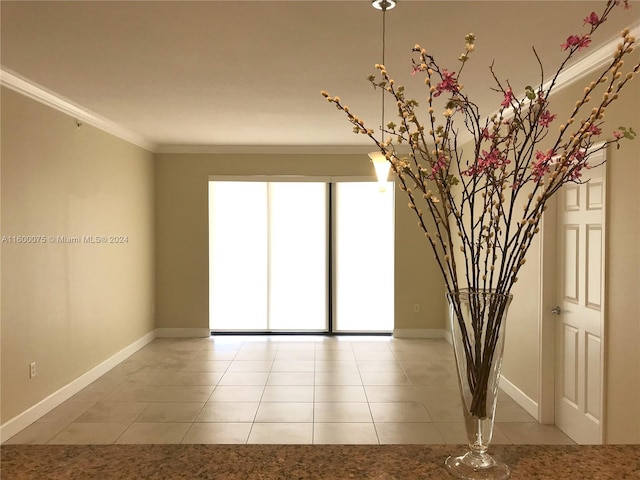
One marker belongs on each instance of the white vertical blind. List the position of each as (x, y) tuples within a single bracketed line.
[(297, 256), (238, 255), (364, 239), (268, 256)]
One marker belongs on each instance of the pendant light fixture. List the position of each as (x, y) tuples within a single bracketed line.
[(380, 163)]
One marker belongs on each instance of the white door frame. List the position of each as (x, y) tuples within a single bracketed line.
[(546, 320)]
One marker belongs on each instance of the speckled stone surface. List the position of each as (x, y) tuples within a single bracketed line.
[(305, 462)]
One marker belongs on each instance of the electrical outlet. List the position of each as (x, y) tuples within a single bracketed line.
[(32, 369), (416, 307)]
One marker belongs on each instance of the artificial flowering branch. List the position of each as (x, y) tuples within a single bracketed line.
[(480, 206)]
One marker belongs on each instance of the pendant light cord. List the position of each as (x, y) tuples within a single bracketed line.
[(384, 13)]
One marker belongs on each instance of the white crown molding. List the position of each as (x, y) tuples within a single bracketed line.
[(266, 149), (31, 90), (273, 149)]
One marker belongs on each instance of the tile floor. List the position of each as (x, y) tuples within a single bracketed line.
[(279, 389)]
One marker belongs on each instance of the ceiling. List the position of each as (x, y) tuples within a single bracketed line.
[(248, 74)]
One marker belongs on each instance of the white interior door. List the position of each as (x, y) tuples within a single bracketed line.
[(580, 319)]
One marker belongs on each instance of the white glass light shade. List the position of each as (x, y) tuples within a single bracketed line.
[(382, 166), (383, 4)]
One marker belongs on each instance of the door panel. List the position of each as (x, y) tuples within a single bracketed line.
[(571, 262), (593, 403), (570, 390), (594, 266)]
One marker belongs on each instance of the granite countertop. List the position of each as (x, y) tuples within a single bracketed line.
[(305, 462)]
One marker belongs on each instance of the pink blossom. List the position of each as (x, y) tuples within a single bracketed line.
[(617, 135), (578, 156), (546, 118), (585, 41), (576, 41), (594, 129), (625, 2), (571, 41), (448, 83), (438, 166), (508, 97), (576, 172), (488, 161), (592, 19), (578, 161), (541, 165)]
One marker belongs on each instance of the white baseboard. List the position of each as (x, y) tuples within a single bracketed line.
[(26, 418), (519, 397), (420, 333), (182, 332)]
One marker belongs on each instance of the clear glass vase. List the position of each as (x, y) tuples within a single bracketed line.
[(477, 321)]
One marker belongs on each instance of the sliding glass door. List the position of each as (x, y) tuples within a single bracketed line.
[(364, 250), (290, 257), (268, 256), (297, 256), (238, 255)]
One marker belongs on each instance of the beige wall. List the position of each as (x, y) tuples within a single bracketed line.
[(622, 324), (521, 349), (69, 307), (182, 235), (622, 329)]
